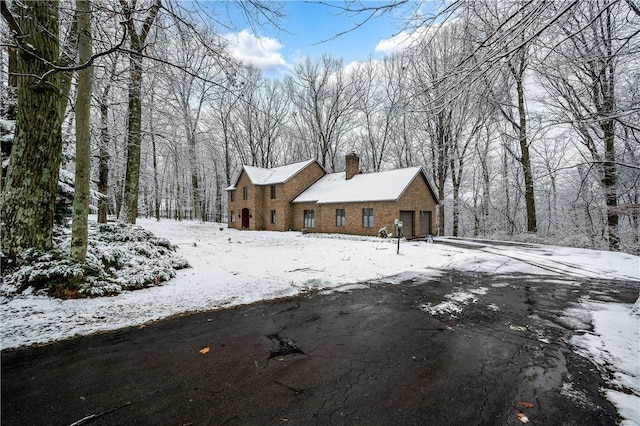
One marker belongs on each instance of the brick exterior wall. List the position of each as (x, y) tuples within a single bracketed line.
[(416, 198), (260, 204), (235, 207)]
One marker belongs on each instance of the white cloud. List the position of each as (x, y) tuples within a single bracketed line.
[(353, 67), (261, 52), (406, 39), (397, 43)]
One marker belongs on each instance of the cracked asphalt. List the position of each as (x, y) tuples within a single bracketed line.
[(373, 356)]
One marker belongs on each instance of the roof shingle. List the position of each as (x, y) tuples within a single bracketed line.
[(380, 186)]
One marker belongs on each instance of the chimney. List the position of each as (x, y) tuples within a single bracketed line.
[(352, 167)]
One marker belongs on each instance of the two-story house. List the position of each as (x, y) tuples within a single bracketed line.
[(261, 198), (303, 196)]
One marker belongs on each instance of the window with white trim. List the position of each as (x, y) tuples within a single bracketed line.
[(309, 220), (367, 218), (340, 217)]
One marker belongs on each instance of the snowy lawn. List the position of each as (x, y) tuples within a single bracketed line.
[(231, 267)]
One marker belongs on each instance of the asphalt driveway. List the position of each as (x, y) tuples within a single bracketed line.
[(372, 356)]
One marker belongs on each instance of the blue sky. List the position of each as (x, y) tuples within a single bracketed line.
[(307, 29), (312, 27)]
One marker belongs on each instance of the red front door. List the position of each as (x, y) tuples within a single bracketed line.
[(245, 218)]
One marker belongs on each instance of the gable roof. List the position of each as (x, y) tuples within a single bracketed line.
[(381, 186), (273, 176)]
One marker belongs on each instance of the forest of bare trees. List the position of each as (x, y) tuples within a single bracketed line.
[(525, 115)]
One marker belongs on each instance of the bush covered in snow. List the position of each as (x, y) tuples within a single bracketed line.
[(119, 257)]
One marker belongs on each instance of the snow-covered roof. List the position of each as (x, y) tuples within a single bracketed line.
[(381, 186), (262, 176)]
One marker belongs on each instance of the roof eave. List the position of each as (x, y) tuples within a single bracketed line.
[(431, 189), (389, 200), (310, 162)]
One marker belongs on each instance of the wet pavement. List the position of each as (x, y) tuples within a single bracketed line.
[(386, 354)]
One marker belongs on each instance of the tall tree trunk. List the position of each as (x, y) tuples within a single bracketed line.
[(455, 183), (195, 188), (118, 196), (525, 159), (134, 118), (441, 211), (486, 183), (79, 225), (609, 182), (156, 185), (134, 139), (27, 203), (219, 195), (103, 152), (441, 155), (103, 163), (456, 210)]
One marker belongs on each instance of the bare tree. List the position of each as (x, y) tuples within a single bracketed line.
[(508, 82), (582, 77), (104, 103), (188, 93), (403, 122), (433, 100), (82, 195), (259, 113), (137, 44), (324, 101)]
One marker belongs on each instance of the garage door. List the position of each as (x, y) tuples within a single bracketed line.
[(425, 223), (407, 223)]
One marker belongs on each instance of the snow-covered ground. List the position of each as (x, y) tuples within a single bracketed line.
[(231, 267), (614, 345)]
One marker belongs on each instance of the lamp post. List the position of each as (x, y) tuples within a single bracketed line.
[(398, 224)]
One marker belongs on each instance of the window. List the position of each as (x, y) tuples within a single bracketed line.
[(273, 192), (340, 217), (245, 193), (367, 218), (273, 216), (232, 193), (233, 216), (308, 219)]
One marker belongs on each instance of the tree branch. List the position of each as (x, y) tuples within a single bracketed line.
[(56, 68), (11, 20), (634, 7)]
